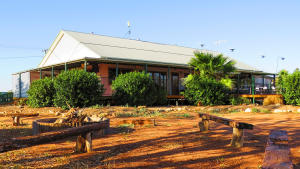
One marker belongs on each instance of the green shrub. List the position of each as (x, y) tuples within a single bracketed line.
[(160, 95), (40, 93), (255, 110), (236, 100), (77, 88), (206, 91), (22, 102), (290, 87), (137, 88)]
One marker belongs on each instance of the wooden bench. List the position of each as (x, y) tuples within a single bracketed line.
[(277, 153), (238, 127), (83, 143), (16, 117)]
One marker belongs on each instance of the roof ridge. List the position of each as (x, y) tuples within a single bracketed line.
[(156, 43)]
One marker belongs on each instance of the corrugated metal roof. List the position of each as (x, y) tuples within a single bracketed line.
[(107, 47)]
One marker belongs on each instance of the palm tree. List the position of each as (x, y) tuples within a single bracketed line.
[(213, 66)]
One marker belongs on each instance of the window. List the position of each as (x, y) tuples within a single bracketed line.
[(159, 78)]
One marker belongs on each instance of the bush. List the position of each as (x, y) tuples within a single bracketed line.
[(77, 88), (269, 100), (137, 88), (40, 93), (160, 95), (22, 102), (236, 100), (291, 88), (206, 91)]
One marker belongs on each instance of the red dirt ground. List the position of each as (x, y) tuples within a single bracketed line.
[(174, 143)]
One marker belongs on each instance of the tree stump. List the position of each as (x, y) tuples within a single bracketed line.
[(204, 125), (84, 143), (16, 120), (277, 153), (237, 137)]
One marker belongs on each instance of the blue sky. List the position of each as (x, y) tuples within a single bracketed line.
[(253, 28)]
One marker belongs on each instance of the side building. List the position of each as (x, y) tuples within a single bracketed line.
[(109, 56)]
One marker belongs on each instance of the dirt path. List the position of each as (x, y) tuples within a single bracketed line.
[(174, 143)]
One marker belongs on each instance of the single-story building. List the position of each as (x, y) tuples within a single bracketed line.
[(109, 56)]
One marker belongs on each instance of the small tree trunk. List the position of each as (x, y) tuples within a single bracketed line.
[(88, 142), (16, 121), (204, 125), (237, 137), (84, 143)]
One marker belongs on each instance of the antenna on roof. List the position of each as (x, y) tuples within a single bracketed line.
[(129, 30), (45, 50)]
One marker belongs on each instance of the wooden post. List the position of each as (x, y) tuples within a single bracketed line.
[(88, 142), (146, 68), (35, 129), (84, 143), (203, 125), (16, 120), (253, 88), (169, 87), (66, 66), (238, 84), (117, 69), (80, 144), (237, 137), (41, 74), (20, 86), (52, 72), (85, 64)]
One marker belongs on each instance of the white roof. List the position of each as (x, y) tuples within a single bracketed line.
[(71, 46)]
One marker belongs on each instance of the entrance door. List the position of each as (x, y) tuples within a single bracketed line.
[(175, 84)]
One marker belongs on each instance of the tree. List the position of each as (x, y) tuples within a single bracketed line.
[(41, 92), (137, 88), (212, 66), (281, 80), (205, 91), (77, 88), (289, 86), (209, 85)]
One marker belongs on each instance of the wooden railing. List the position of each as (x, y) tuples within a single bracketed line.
[(6, 97)]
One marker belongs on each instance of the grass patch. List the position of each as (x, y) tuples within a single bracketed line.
[(141, 113), (168, 125), (265, 111), (148, 126), (127, 114), (255, 110), (234, 111), (126, 126), (97, 106), (183, 116)]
